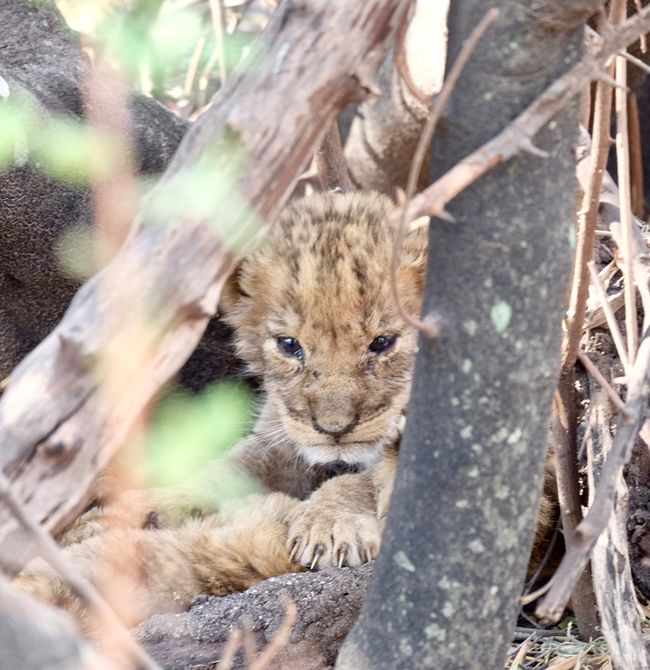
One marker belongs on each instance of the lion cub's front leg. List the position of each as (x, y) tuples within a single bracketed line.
[(341, 523)]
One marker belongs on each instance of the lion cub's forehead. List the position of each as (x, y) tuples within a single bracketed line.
[(328, 256)]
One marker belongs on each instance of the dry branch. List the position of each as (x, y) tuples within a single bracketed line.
[(610, 562), (55, 428), (588, 531), (36, 636), (625, 195), (52, 554)]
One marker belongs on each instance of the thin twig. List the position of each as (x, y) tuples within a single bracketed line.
[(609, 317), (518, 661), (86, 592), (192, 68), (401, 62), (635, 61), (427, 326), (229, 651), (623, 165), (280, 639), (534, 595), (636, 156), (588, 531), (591, 368), (642, 38)]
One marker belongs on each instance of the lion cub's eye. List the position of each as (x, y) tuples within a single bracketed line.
[(289, 346), (382, 344)]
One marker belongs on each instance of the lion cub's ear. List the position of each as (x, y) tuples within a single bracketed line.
[(416, 244), (232, 292)]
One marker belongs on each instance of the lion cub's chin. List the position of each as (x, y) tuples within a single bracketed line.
[(365, 454)]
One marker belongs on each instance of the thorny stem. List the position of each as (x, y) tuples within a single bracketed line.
[(517, 135), (427, 325)]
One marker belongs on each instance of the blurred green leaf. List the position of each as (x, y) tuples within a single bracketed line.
[(68, 151), (190, 432)]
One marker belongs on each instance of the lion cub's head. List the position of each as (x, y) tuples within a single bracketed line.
[(314, 316)]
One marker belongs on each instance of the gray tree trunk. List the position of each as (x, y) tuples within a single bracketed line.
[(446, 587)]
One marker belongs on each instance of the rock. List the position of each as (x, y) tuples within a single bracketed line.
[(328, 604)]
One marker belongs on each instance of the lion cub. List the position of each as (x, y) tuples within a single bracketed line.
[(314, 318)]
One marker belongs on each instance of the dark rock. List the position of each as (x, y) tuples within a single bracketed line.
[(328, 604)]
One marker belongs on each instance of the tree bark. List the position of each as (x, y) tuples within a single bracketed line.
[(459, 532), (255, 138)]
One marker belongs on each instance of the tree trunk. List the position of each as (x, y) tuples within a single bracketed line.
[(460, 528)]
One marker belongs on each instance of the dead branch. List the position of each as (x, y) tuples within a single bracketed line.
[(52, 553), (588, 531), (593, 370), (517, 136), (636, 155), (331, 164), (610, 563), (625, 195), (564, 410), (428, 325), (53, 425)]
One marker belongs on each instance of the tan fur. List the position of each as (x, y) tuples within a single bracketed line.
[(322, 279)]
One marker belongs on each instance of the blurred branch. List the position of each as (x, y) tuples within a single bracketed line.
[(36, 636), (53, 554), (216, 10)]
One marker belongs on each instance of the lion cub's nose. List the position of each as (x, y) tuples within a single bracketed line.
[(335, 429)]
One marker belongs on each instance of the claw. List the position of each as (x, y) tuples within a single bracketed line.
[(367, 554), (294, 550), (343, 554), (318, 552)]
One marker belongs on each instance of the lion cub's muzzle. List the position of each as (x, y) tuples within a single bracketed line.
[(335, 429)]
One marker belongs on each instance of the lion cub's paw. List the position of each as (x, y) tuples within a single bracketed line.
[(320, 538)]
